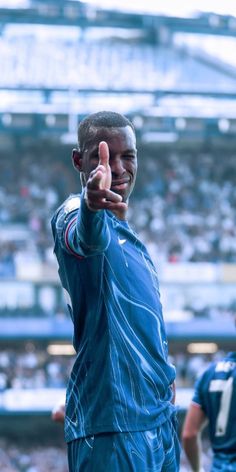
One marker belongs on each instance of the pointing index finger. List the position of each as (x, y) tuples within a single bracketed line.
[(103, 151)]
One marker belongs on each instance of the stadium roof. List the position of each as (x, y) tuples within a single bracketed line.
[(157, 59), (185, 8)]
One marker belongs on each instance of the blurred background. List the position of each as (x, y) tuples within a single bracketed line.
[(173, 73)]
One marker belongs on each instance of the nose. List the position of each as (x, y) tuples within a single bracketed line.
[(117, 167)]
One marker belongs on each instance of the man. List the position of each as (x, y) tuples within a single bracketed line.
[(214, 401), (119, 415)]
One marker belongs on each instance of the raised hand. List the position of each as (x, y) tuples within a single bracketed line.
[(103, 171), (98, 194)]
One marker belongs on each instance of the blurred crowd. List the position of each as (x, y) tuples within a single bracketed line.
[(190, 367), (31, 187), (34, 368), (19, 458), (184, 205)]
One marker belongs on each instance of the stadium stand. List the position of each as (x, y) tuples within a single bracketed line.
[(30, 366), (181, 99), (185, 204)]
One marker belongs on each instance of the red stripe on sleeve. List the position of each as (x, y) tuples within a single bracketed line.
[(67, 239)]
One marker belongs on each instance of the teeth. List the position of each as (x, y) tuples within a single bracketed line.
[(119, 185)]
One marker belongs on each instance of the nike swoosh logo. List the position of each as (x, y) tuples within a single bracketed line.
[(121, 241)]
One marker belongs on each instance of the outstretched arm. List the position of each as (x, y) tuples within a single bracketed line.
[(193, 425)]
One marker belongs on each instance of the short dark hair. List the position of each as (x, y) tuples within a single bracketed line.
[(101, 119)]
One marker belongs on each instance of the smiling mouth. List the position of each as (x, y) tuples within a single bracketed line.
[(119, 184)]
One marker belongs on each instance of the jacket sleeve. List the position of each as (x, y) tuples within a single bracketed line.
[(80, 231)]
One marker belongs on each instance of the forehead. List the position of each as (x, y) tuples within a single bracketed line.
[(122, 138)]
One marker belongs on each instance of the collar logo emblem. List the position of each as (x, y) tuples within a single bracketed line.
[(121, 241)]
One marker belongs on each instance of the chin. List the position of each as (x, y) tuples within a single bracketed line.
[(124, 196)]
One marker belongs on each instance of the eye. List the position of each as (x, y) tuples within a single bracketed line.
[(129, 157), (95, 157)]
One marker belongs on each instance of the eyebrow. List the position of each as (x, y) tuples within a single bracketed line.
[(130, 150)]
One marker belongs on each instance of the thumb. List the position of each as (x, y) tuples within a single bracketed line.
[(103, 152)]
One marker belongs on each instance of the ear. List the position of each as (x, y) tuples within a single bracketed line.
[(77, 159)]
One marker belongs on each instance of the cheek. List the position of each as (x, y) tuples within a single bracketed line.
[(131, 166), (90, 167), (134, 169)]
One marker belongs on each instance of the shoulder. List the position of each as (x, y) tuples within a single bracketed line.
[(231, 357), (216, 370), (72, 203), (205, 378), (64, 213)]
